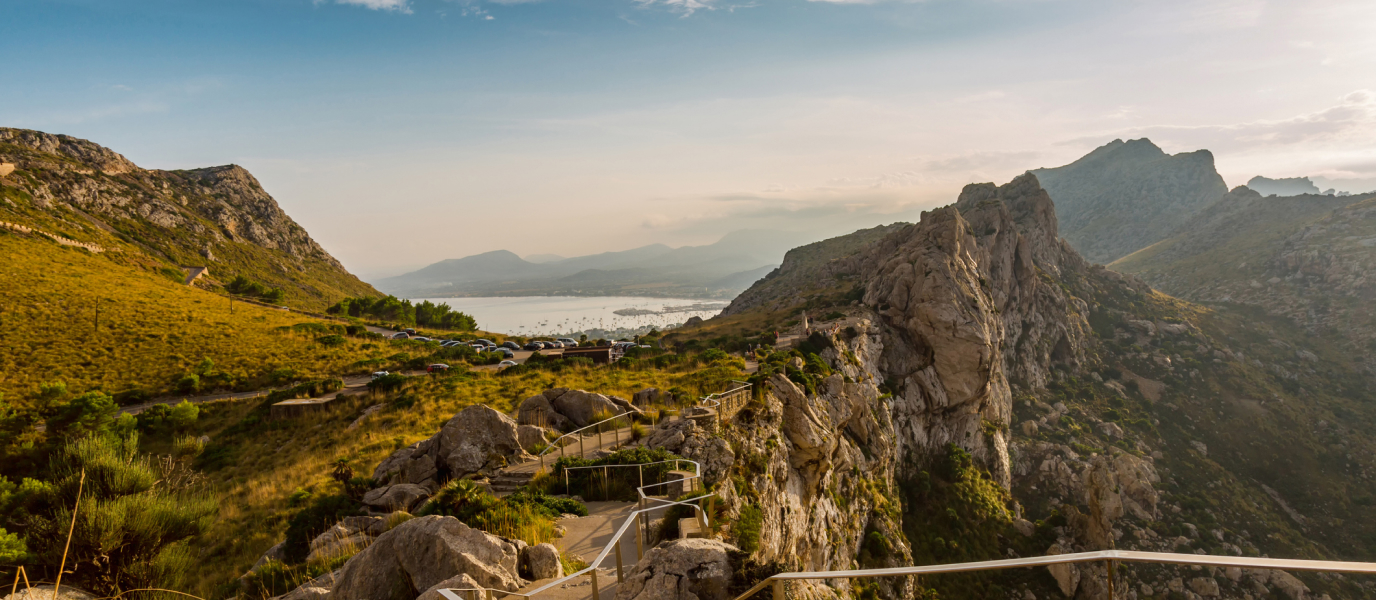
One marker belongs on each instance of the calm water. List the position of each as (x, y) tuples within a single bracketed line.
[(549, 315)]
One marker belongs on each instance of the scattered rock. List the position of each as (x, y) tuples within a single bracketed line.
[(458, 582), (531, 436), (44, 591), (1025, 527), (1110, 430), (1029, 428), (1204, 586), (541, 561), (1067, 575), (1197, 445), (476, 441), (400, 497), (689, 569), (648, 396)]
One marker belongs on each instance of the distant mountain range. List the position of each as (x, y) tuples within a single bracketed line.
[(718, 270)]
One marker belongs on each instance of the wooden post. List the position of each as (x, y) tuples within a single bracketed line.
[(594, 584), (566, 482), (489, 593), (619, 576), (778, 589), (581, 452), (641, 468)]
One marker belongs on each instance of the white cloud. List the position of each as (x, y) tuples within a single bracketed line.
[(683, 7), (402, 6)]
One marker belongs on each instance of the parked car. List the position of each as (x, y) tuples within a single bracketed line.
[(484, 342), (377, 374), (437, 368), (410, 331), (448, 343), (478, 347), (568, 342), (506, 363), (421, 338), (536, 346), (401, 335), (511, 345), (554, 344), (506, 352)]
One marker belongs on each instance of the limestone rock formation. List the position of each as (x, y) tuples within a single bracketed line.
[(460, 582), (541, 561), (565, 410), (685, 438), (476, 441), (401, 496), (422, 553), (690, 569)]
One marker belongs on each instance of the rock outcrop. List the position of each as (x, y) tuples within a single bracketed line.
[(420, 554), (691, 569), (476, 441), (565, 410)]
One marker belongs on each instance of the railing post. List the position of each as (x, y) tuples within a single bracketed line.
[(619, 576), (641, 468), (489, 593), (778, 586), (561, 447), (1110, 579), (594, 584), (567, 491), (583, 454)]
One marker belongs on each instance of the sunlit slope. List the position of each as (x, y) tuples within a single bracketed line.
[(97, 323)]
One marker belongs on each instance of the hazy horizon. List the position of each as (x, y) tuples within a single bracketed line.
[(524, 125)]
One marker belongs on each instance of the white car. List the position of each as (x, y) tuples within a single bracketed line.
[(506, 363), (401, 335), (378, 374)]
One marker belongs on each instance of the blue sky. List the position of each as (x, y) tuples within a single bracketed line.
[(524, 125)]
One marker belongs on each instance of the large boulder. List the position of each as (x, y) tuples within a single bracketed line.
[(44, 591), (531, 437), (458, 583), (401, 496), (648, 396), (541, 561), (538, 411), (476, 441), (690, 569), (686, 438), (422, 553), (345, 538), (583, 408)]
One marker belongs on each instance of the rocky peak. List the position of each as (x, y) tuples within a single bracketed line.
[(88, 154)]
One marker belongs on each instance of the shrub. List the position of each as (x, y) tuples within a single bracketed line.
[(190, 383), (152, 508), (182, 416), (330, 340), (298, 497), (386, 383), (746, 529)]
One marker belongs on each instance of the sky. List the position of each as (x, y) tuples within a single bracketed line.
[(403, 132)]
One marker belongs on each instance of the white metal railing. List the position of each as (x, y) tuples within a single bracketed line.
[(559, 441), (640, 517), (1107, 556)]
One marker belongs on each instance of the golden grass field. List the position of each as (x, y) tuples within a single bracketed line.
[(268, 460), (94, 323)]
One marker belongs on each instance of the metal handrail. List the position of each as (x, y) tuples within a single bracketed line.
[(697, 474), (614, 544), (1040, 561), (716, 397)]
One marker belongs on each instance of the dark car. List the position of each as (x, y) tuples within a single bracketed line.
[(484, 342), (511, 345), (410, 331), (506, 353), (437, 368), (536, 346)]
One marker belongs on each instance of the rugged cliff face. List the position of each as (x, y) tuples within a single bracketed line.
[(218, 217), (1011, 399)]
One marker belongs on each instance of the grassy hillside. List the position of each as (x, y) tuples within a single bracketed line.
[(256, 465), (217, 217), (151, 330)]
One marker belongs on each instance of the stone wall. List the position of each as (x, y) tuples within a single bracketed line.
[(54, 237)]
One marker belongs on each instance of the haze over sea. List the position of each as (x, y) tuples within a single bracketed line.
[(551, 315)]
